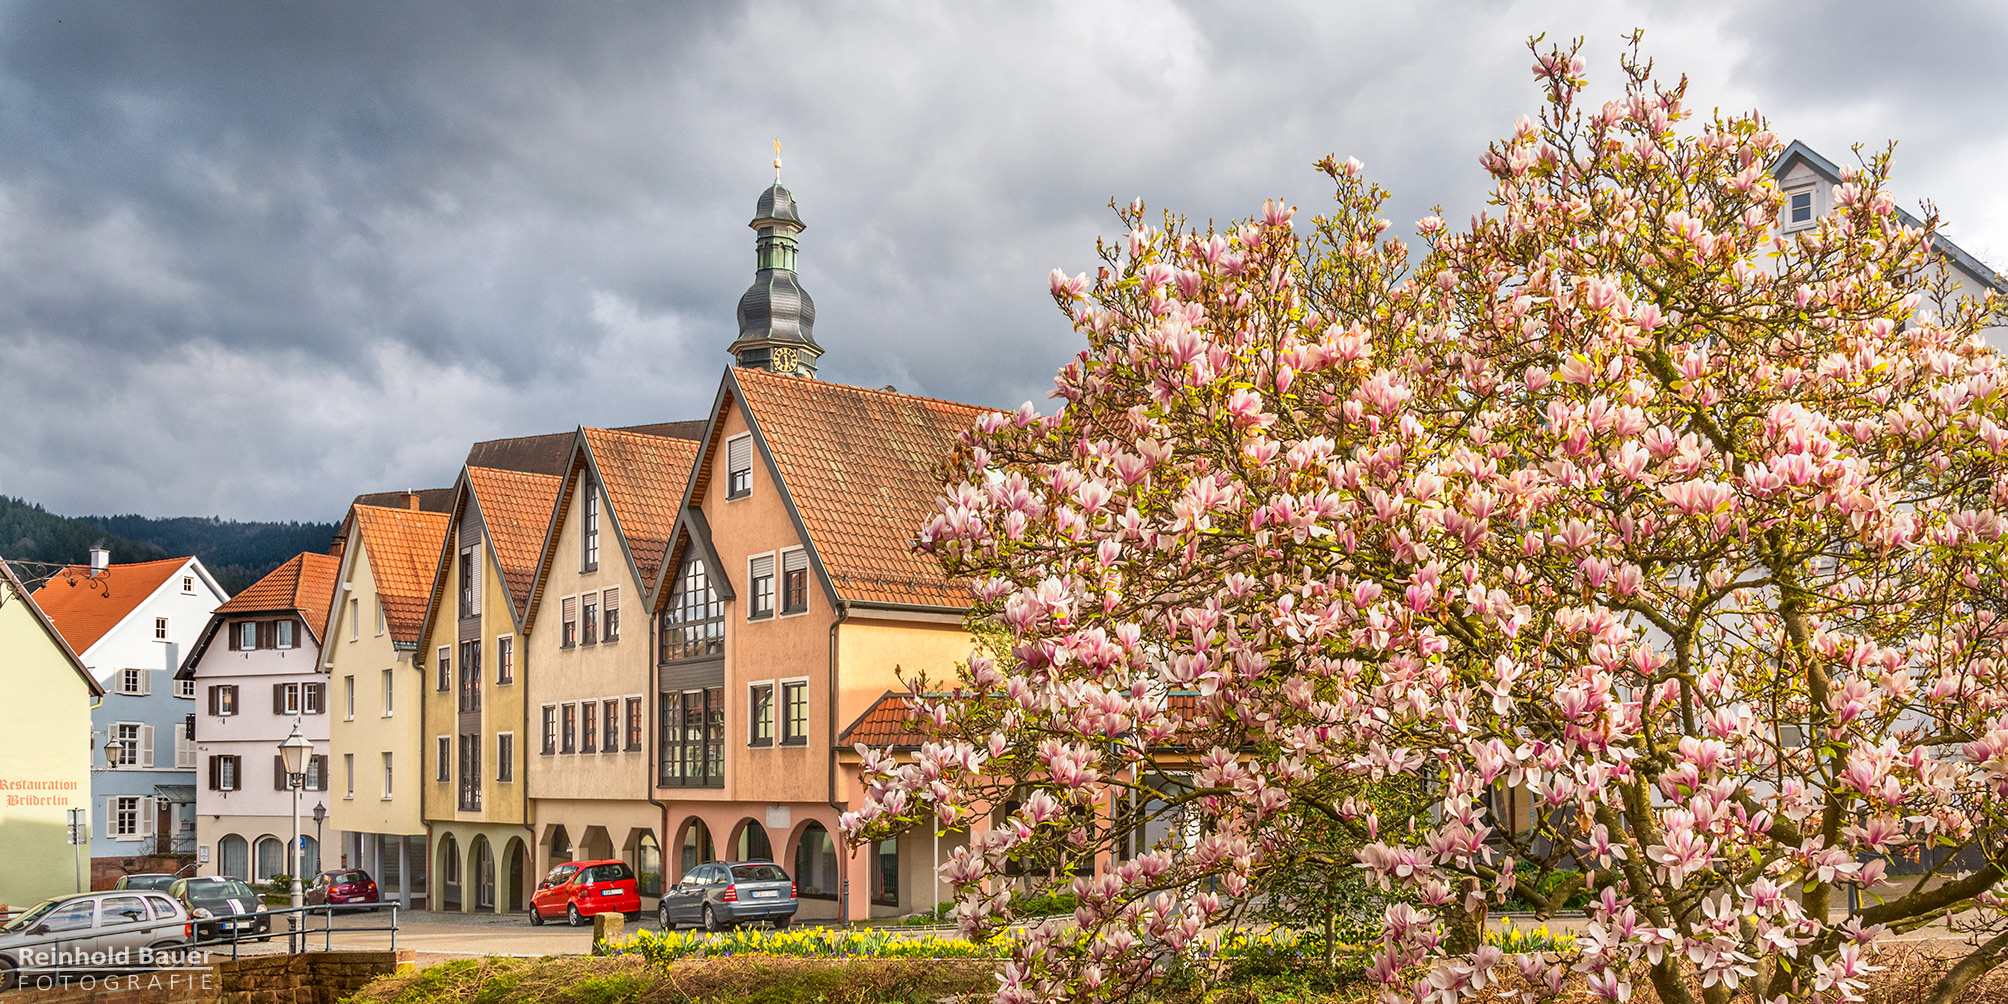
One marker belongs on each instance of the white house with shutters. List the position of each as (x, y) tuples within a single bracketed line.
[(129, 624), (255, 673)]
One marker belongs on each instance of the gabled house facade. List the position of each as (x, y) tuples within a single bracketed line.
[(45, 750), (590, 697), (131, 633), (255, 670), (791, 601), (471, 649), (389, 557)]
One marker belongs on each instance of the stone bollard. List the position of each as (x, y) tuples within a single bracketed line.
[(607, 927)]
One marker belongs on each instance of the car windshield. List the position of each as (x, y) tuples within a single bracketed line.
[(34, 914), (219, 889), (610, 873), (148, 881), (347, 878), (759, 873)]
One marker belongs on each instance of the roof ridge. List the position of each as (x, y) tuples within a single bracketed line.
[(879, 391)]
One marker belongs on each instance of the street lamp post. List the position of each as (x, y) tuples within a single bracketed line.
[(293, 756)]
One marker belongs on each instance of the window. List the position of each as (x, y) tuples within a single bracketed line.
[(470, 772), (381, 624), (589, 730), (247, 635), (137, 682), (125, 816), (160, 629), (284, 633), (130, 747), (470, 676), (760, 708), (694, 623), (550, 729), (568, 737), (445, 663), (610, 615), (590, 532), (188, 585), (316, 778), (185, 688), (589, 619), (1799, 209), (505, 660), (224, 772), (568, 622), (223, 700), (885, 872), (760, 583), (694, 739), (794, 581), (738, 467), (389, 688), (349, 772), (634, 723), (610, 731), (349, 696), (795, 713), (443, 755), (388, 774), (314, 698), (285, 698), (470, 596), (355, 622), (505, 757)]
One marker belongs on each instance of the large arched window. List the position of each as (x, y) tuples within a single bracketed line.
[(271, 858), (694, 623), (648, 866), (816, 864), (696, 846), (234, 857)]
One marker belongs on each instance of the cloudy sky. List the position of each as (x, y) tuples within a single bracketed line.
[(256, 258)]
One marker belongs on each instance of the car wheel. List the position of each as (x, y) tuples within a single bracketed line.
[(711, 920), (9, 977), (574, 917), (662, 914), (536, 919), (781, 923), (631, 916)]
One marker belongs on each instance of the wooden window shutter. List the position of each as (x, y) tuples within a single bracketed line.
[(236, 772), (230, 631), (278, 773), (215, 764), (321, 772), (266, 634), (146, 811), (278, 698), (215, 708), (312, 698), (146, 746)]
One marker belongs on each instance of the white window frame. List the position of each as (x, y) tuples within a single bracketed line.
[(389, 693), (188, 585), (143, 681), (115, 807), (355, 618), (1811, 191), (292, 699), (781, 737), (184, 747), (589, 526), (160, 629), (349, 770), (185, 688), (389, 775), (753, 612), (242, 627), (731, 442), (133, 753), (285, 633), (381, 624), (349, 694)]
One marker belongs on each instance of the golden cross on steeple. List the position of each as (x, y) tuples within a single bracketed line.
[(777, 159)]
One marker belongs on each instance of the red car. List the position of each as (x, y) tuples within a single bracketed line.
[(583, 888), (345, 885)]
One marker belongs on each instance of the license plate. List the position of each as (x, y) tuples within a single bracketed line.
[(766, 894), (610, 892)]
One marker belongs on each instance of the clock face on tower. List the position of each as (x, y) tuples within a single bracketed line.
[(784, 360)]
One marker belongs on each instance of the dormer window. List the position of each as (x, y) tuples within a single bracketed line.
[(591, 530), (1799, 209), (738, 467), (470, 592)]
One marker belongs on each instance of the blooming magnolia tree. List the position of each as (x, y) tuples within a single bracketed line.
[(1660, 551)]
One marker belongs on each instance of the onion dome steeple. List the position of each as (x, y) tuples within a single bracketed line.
[(777, 319)]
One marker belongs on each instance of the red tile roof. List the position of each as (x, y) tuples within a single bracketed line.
[(83, 614), (403, 547), (516, 508), (305, 584), (862, 467), (11, 590), (644, 477)]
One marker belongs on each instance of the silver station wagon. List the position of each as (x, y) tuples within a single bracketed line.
[(718, 895), (89, 932)]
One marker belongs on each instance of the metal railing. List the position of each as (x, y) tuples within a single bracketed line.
[(297, 937)]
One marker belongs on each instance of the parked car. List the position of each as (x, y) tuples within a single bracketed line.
[(156, 881), (126, 925), (343, 885), (580, 889), (718, 895), (223, 906)]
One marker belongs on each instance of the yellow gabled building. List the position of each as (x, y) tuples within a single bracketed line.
[(45, 751)]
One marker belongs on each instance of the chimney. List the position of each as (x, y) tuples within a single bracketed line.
[(411, 501), (100, 559)]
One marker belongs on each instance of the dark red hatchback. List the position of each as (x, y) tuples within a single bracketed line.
[(345, 885)]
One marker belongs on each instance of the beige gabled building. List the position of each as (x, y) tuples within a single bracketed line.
[(45, 752), (390, 550), (589, 696)]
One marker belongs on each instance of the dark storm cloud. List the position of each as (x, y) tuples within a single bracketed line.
[(255, 258)]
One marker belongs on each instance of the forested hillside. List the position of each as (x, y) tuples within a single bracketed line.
[(236, 553)]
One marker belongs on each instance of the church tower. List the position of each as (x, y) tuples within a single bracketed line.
[(777, 319)]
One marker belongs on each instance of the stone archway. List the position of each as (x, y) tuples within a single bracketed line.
[(694, 847), (596, 844), (449, 873), (517, 876), (749, 842), (814, 863), (482, 859)]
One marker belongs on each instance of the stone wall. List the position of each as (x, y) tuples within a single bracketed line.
[(105, 872), (310, 978)]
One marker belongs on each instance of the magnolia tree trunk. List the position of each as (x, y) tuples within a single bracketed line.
[(1620, 505)]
